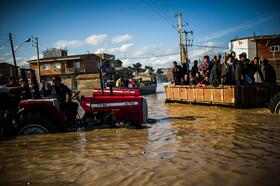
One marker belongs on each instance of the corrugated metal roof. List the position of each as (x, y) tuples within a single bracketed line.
[(88, 76)]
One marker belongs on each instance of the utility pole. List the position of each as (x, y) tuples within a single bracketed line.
[(180, 38), (186, 44), (38, 63), (13, 52)]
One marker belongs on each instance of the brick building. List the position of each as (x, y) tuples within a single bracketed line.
[(7, 69), (57, 62), (264, 47)]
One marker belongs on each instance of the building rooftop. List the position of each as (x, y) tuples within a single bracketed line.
[(61, 58), (89, 76), (258, 37)]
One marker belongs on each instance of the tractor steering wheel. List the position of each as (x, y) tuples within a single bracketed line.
[(76, 95)]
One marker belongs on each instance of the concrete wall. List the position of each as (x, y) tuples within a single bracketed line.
[(88, 83), (244, 45), (54, 53)]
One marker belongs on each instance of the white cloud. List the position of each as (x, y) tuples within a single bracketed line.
[(209, 49), (2, 47), (20, 61), (35, 57), (6, 54), (122, 49), (93, 40), (195, 53), (121, 39), (2, 59), (96, 39), (68, 44)]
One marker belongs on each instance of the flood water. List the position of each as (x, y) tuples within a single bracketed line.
[(188, 145)]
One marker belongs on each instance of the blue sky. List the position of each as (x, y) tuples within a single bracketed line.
[(131, 28)]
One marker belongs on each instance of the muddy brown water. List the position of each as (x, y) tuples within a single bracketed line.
[(188, 145)]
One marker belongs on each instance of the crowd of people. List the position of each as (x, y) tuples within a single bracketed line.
[(229, 72)]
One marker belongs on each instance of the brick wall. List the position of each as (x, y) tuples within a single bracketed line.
[(7, 70), (91, 64), (263, 51), (263, 48)]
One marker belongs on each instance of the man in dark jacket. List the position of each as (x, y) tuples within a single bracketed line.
[(269, 72), (239, 70), (256, 68), (177, 73), (228, 71), (215, 75), (194, 68), (61, 91), (197, 79)]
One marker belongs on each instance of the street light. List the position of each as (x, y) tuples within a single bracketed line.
[(26, 41), (13, 52)]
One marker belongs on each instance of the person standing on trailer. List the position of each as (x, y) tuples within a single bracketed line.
[(177, 73)]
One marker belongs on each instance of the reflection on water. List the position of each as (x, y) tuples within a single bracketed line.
[(187, 144)]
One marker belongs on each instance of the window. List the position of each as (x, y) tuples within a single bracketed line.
[(56, 66), (46, 66), (274, 48), (76, 65)]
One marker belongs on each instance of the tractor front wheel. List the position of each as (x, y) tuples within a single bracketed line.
[(38, 122)]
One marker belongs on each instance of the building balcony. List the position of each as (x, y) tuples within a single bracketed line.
[(73, 70)]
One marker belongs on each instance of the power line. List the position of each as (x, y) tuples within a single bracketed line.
[(163, 12), (4, 43), (172, 7), (158, 13)]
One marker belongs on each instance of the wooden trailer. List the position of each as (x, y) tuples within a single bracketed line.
[(231, 95)]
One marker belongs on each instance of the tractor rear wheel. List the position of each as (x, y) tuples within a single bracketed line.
[(38, 122), (274, 105)]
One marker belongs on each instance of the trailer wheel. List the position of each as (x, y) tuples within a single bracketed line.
[(274, 105), (38, 122)]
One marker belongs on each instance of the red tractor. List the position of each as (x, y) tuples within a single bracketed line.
[(105, 108)]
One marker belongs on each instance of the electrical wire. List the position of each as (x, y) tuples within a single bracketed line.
[(4, 43), (158, 13), (172, 7), (163, 12)]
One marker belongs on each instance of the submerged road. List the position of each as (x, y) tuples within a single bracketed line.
[(187, 145)]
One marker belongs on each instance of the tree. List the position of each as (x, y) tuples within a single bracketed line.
[(159, 71), (137, 68), (149, 67), (118, 63)]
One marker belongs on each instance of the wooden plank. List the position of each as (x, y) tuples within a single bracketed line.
[(199, 94), (240, 96), (217, 95), (207, 95)]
